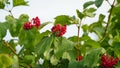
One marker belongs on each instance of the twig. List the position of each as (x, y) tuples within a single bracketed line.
[(11, 13), (79, 32), (8, 45), (108, 22), (78, 40), (108, 2)]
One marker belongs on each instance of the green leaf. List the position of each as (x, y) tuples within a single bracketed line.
[(116, 48), (89, 12), (29, 59), (44, 44), (92, 43), (26, 38), (74, 64), (101, 18), (12, 44), (13, 25), (3, 48), (85, 38), (88, 4), (2, 5), (91, 59), (23, 18), (98, 3), (63, 19), (99, 31), (62, 46), (19, 2), (97, 28), (73, 54), (79, 14), (15, 62), (116, 10), (118, 1), (5, 61), (47, 53), (54, 60), (85, 29), (73, 38), (3, 30), (44, 24), (63, 63)]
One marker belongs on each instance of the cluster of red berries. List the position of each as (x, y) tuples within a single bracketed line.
[(59, 30), (35, 22), (108, 61), (79, 58)]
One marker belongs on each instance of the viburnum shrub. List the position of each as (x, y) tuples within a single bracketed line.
[(30, 47)]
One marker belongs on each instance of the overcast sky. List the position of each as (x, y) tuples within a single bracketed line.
[(46, 10)]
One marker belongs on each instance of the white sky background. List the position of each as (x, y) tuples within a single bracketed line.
[(47, 10)]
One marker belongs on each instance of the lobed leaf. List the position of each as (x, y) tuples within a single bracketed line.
[(88, 4), (63, 19), (98, 3), (19, 2)]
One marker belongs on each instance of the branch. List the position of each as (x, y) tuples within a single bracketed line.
[(79, 32), (108, 22), (8, 45), (78, 40)]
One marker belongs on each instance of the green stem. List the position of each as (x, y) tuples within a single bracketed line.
[(78, 40), (108, 22)]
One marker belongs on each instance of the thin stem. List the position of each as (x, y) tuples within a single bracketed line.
[(8, 45), (11, 13), (79, 25), (79, 32), (108, 2), (108, 22)]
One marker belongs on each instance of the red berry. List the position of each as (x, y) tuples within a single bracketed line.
[(28, 25), (108, 61), (59, 30), (36, 22), (79, 58)]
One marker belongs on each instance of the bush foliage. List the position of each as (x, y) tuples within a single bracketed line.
[(56, 50)]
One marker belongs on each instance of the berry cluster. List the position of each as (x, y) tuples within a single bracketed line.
[(59, 30), (35, 22), (79, 58), (108, 61), (28, 25)]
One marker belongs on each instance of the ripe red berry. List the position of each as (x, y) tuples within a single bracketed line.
[(59, 30), (108, 61), (36, 22), (28, 25), (79, 58)]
